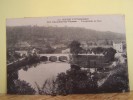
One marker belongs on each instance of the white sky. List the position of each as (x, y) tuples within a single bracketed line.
[(114, 23)]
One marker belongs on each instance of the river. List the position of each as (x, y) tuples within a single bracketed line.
[(42, 72)]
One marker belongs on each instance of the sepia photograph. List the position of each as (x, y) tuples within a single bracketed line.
[(62, 55)]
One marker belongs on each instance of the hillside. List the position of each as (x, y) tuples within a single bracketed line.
[(58, 34)]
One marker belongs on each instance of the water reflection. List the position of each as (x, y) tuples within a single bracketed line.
[(42, 72)]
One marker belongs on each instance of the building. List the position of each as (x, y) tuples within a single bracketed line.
[(22, 52), (59, 46), (34, 51), (22, 46), (84, 45), (66, 51), (118, 47)]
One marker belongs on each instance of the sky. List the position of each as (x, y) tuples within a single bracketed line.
[(113, 23)]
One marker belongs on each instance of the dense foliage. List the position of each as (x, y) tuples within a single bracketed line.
[(75, 47), (118, 81), (16, 86), (76, 81)]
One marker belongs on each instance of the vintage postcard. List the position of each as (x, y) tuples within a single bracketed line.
[(65, 55)]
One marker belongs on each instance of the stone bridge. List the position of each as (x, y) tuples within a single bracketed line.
[(55, 57)]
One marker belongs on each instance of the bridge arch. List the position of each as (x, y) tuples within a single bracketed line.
[(63, 58), (43, 58), (53, 58)]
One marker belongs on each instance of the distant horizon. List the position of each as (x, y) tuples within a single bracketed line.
[(112, 23), (64, 27)]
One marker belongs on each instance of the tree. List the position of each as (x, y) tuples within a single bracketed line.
[(98, 50), (109, 54), (75, 47)]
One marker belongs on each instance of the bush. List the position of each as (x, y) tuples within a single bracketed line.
[(20, 87), (49, 87), (24, 88)]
